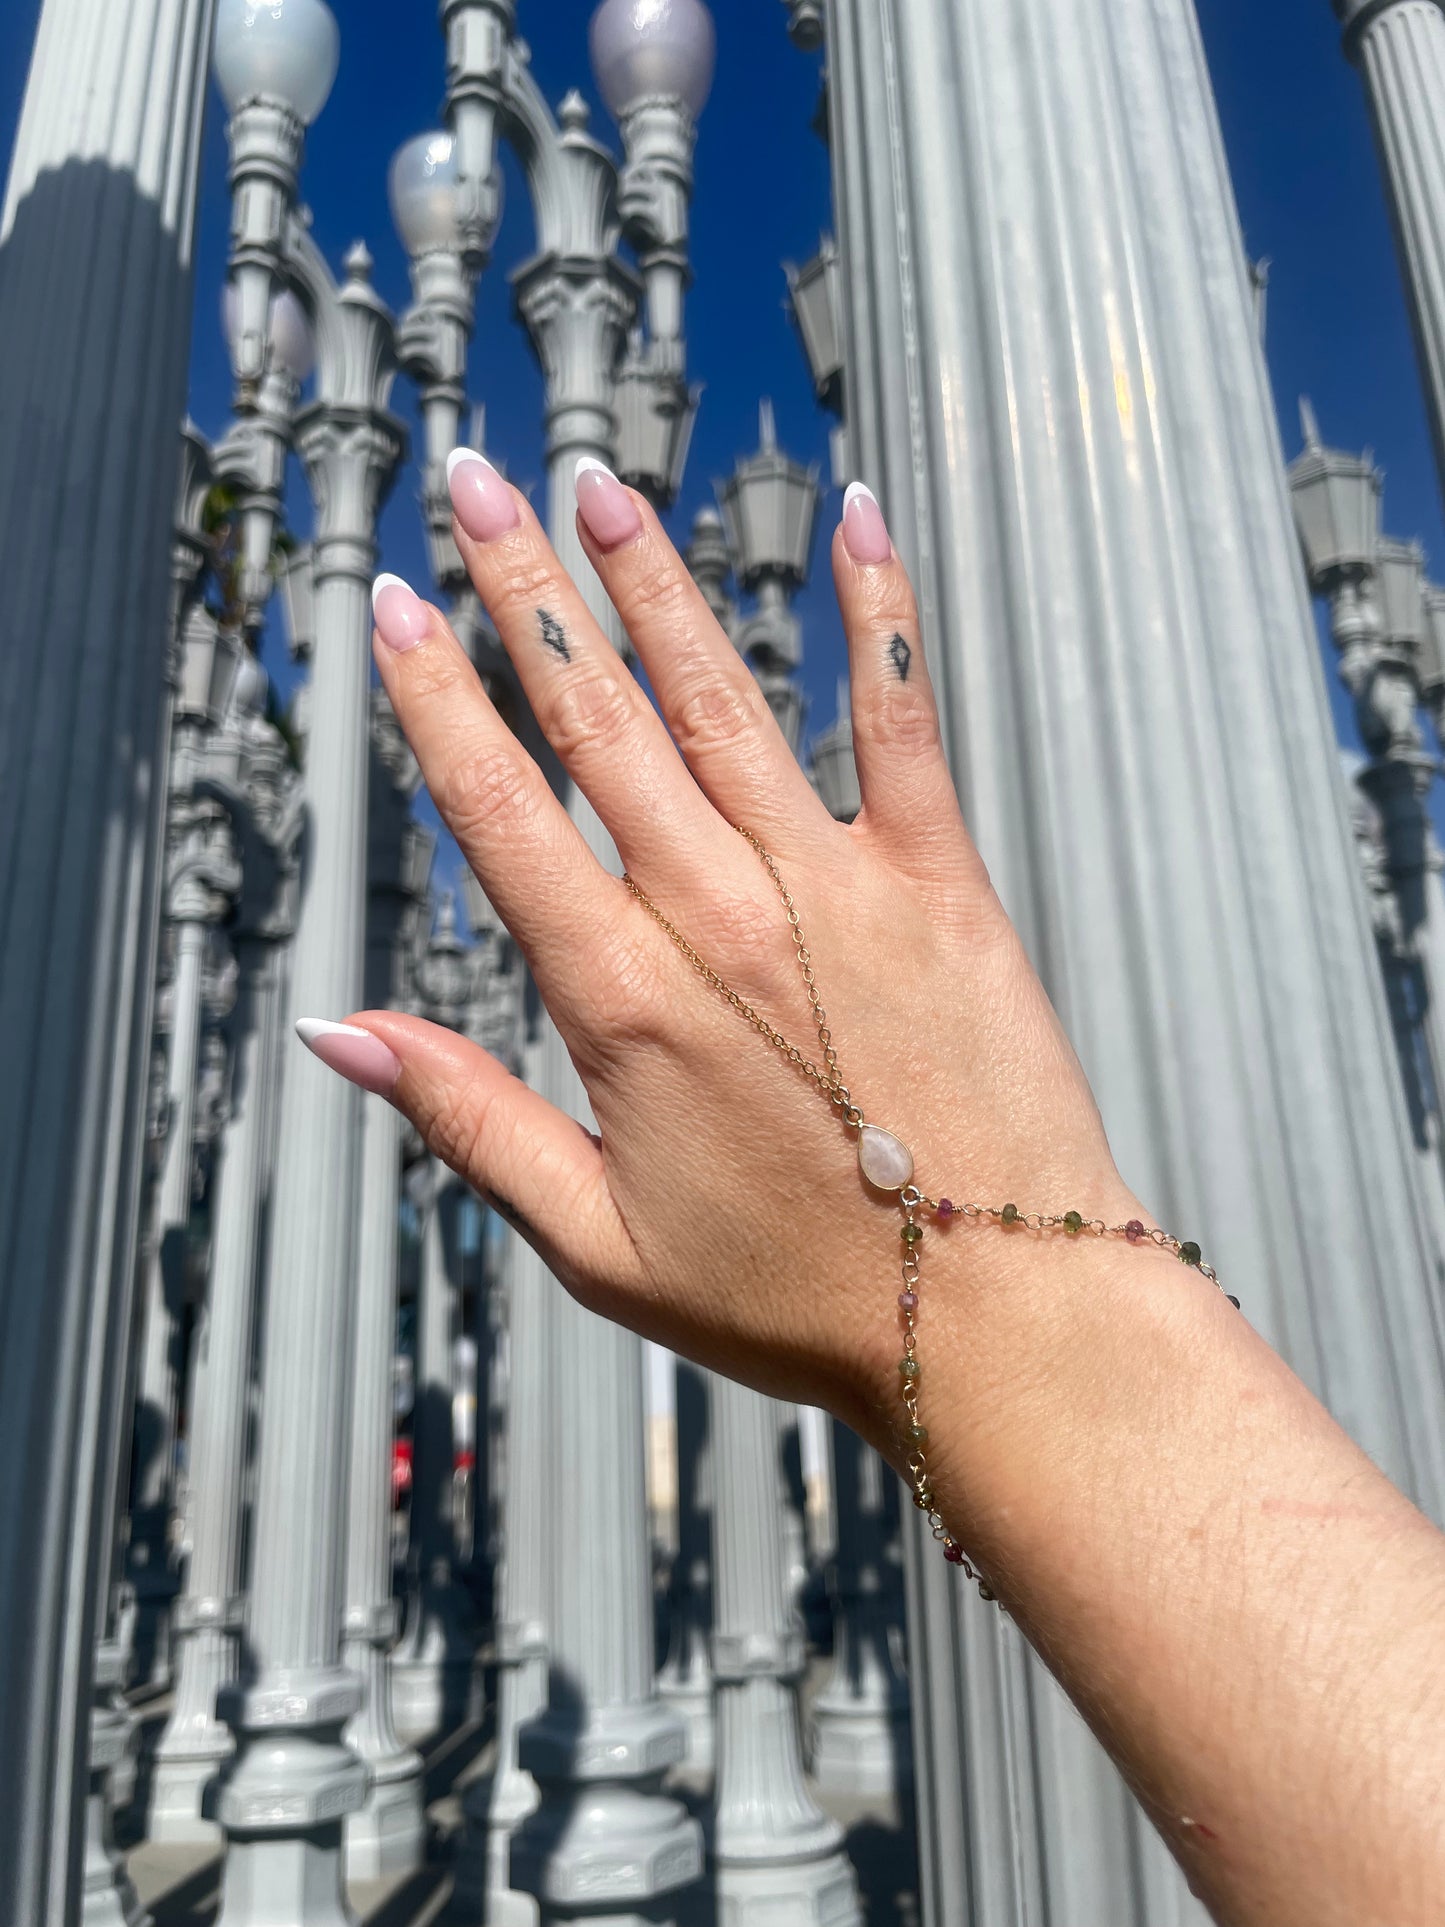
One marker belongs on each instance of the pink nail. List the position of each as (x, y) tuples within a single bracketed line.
[(607, 509), (481, 500), (398, 612), (351, 1052), (865, 533)]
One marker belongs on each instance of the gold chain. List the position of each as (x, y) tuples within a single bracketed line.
[(829, 1080)]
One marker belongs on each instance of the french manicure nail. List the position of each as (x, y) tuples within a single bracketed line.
[(481, 500), (398, 612), (352, 1053), (865, 533), (608, 510)]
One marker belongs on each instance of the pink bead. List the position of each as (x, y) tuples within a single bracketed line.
[(1134, 1231), (945, 1207), (953, 1552), (908, 1301)]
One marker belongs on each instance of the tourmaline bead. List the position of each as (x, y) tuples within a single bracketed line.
[(913, 1234), (908, 1368), (918, 1434), (1233, 1300), (1010, 1214), (953, 1552), (1134, 1232), (1190, 1254), (1073, 1222), (945, 1207), (908, 1301)]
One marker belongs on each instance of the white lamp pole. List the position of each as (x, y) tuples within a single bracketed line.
[(95, 302)]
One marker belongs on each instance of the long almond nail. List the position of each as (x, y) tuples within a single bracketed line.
[(398, 612), (865, 533), (352, 1053), (607, 509), (481, 500)]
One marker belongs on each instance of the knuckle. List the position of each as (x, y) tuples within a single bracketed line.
[(628, 997), (902, 717), (592, 712), (483, 791), (715, 714), (662, 592), (531, 582), (432, 672), (459, 1129)]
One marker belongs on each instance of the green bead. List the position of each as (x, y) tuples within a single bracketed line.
[(1010, 1214), (1190, 1254), (908, 1367), (1073, 1222), (913, 1234), (918, 1434)]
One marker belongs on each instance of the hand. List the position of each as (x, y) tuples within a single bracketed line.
[(722, 1211)]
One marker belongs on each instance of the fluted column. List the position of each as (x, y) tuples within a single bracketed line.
[(495, 1806), (201, 879), (208, 1615), (1056, 383), (387, 1836), (1399, 48), (435, 1684), (95, 303), (777, 1855), (860, 1719), (602, 1833), (282, 1798)]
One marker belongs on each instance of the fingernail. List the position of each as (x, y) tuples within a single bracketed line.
[(865, 533), (481, 499), (608, 510), (352, 1052), (398, 612)]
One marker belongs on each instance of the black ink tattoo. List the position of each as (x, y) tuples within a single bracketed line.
[(901, 656), (504, 1208), (554, 636)]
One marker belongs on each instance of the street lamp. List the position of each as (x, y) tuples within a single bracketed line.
[(275, 62), (653, 50)]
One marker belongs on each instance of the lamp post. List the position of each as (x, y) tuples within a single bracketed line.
[(95, 302), (602, 1836), (1083, 472), (387, 1835), (249, 776), (283, 1796), (434, 1680), (1399, 48)]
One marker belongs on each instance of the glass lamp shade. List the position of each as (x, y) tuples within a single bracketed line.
[(815, 296), (834, 770), (285, 49), (653, 49), (1400, 567), (770, 507), (1336, 510), (293, 343), (423, 190)]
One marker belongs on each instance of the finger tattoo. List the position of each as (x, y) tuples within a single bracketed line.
[(901, 656), (554, 636)]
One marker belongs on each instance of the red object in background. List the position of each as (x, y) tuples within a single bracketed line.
[(464, 1462), (400, 1470)]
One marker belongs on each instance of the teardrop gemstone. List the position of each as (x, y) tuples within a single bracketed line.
[(884, 1160)]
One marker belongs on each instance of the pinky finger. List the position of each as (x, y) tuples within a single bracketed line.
[(537, 1167)]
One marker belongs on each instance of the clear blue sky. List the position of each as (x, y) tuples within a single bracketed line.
[(1295, 127)]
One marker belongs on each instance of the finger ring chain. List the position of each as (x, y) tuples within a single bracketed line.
[(887, 1164)]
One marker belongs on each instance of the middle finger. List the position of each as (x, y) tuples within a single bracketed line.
[(587, 703)]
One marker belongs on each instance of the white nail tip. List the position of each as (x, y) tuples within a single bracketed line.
[(588, 465), (308, 1029), (383, 582), (858, 492), (459, 455)]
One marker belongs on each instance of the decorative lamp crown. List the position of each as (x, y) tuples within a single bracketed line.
[(653, 50), (285, 50), (1336, 506)]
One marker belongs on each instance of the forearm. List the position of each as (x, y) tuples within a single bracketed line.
[(1247, 1612)]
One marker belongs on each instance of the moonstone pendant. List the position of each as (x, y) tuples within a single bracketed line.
[(884, 1160)]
